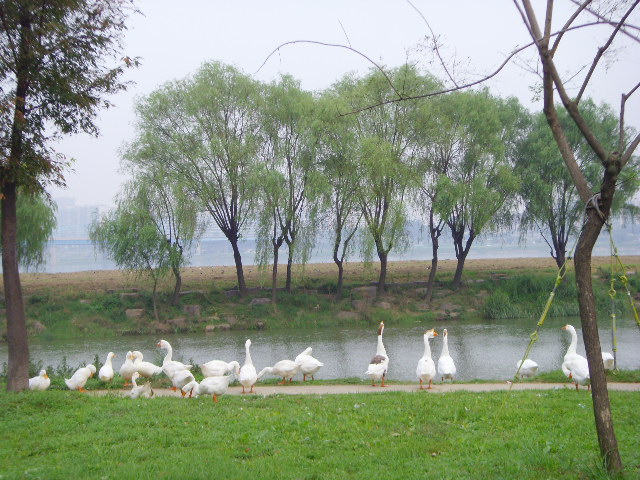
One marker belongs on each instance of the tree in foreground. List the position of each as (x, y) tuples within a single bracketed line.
[(598, 198), (56, 66)]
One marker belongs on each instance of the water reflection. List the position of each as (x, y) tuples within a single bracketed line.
[(481, 351)]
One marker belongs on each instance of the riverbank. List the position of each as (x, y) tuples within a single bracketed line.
[(99, 303)]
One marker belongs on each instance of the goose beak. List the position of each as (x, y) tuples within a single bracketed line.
[(435, 334), (46, 376), (563, 328)]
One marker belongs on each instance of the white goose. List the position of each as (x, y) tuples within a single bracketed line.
[(213, 386), (170, 366), (218, 368), (426, 369), (446, 365), (380, 362), (286, 369), (41, 382), (608, 361), (106, 371), (248, 376), (529, 368), (80, 377), (137, 391), (308, 364), (127, 369), (145, 369), (180, 378), (575, 366)]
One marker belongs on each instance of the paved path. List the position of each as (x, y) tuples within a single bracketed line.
[(310, 389)]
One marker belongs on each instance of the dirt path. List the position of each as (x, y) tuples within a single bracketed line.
[(310, 389)]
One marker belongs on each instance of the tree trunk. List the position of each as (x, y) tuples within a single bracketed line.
[(432, 275), (18, 347), (338, 295), (582, 261), (289, 268), (178, 286), (457, 277), (382, 280), (274, 274), (242, 286)]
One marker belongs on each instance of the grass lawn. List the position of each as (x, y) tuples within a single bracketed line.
[(523, 435)]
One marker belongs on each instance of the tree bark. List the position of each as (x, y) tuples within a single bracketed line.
[(338, 295), (289, 268), (382, 279), (432, 274), (178, 286), (242, 286), (18, 347), (457, 277), (274, 273)]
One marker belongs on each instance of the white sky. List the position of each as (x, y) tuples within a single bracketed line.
[(174, 38)]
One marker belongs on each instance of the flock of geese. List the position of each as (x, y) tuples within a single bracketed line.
[(218, 373)]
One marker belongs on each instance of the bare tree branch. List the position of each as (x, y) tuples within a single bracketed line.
[(605, 20), (623, 103), (337, 45), (603, 49), (566, 25), (435, 44)]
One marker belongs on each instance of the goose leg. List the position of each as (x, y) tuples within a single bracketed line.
[(421, 387), (215, 398), (430, 382)]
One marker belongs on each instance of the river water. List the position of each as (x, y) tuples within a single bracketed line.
[(481, 351)]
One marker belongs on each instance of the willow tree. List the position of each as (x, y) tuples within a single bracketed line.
[(597, 197), (477, 191), (204, 131), (337, 155), (385, 154), (57, 64), (290, 148), (551, 205), (128, 235)]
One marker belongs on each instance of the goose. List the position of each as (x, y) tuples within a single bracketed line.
[(426, 369), (286, 369), (137, 391), (218, 368), (145, 369), (180, 378), (608, 361), (248, 376), (529, 368), (380, 362), (80, 377), (106, 371), (575, 366), (127, 369), (308, 364), (41, 382), (213, 386), (170, 366), (446, 366)]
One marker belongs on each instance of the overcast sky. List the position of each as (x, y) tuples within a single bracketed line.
[(174, 38)]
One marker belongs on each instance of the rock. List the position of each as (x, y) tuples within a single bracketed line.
[(125, 296), (160, 327), (134, 312), (260, 325), (360, 305), (209, 328), (383, 305), (344, 315), (223, 326), (230, 319), (191, 292), (366, 292), (193, 310), (179, 324), (422, 307), (260, 301), (85, 301), (232, 293), (449, 307)]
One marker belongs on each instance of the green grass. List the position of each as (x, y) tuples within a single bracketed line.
[(524, 435)]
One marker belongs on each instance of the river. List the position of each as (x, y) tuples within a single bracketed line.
[(481, 351)]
